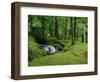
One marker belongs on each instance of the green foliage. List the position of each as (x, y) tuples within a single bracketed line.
[(51, 40), (63, 33), (67, 47), (38, 35), (58, 47), (33, 49), (58, 44), (75, 55), (61, 42)]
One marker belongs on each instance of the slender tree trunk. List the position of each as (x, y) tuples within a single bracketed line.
[(74, 28), (72, 31), (84, 31), (66, 28), (82, 26), (43, 26), (69, 32), (82, 37), (77, 34), (86, 34), (30, 25), (77, 30), (30, 21), (51, 30), (56, 28)]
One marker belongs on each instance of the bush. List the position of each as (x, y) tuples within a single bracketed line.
[(67, 47), (51, 40), (58, 47), (33, 49), (36, 32), (59, 44), (54, 40)]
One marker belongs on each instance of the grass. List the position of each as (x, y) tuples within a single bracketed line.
[(76, 54)]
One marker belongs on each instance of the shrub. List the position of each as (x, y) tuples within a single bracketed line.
[(51, 40), (67, 47), (59, 44), (34, 50), (58, 47), (36, 32)]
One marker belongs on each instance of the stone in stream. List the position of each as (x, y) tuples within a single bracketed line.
[(49, 49)]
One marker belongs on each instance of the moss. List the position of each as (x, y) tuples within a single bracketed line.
[(73, 56)]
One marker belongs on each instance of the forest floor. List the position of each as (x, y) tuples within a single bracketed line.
[(76, 54)]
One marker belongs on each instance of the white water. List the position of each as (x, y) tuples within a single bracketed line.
[(50, 49)]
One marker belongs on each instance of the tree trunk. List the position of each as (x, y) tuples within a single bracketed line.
[(77, 34), (86, 34), (82, 26), (51, 28), (43, 26), (66, 28), (84, 31), (72, 31), (74, 28), (82, 37), (30, 25), (56, 28)]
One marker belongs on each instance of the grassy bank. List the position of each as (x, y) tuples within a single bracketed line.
[(76, 54)]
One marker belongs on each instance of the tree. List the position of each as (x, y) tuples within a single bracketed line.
[(86, 34), (56, 28), (66, 23), (52, 27), (77, 33), (30, 23), (72, 30), (43, 24)]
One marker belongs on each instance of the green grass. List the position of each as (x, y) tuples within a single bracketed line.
[(74, 55)]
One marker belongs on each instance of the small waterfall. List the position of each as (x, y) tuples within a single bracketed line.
[(49, 49)]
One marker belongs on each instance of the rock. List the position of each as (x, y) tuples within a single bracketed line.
[(49, 49)]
